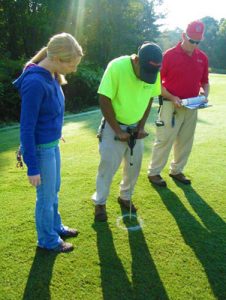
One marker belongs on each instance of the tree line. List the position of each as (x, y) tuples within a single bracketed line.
[(105, 29)]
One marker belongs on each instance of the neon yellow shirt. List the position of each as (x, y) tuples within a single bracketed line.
[(129, 95)]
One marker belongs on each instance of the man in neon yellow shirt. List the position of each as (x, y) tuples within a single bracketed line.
[(125, 95)]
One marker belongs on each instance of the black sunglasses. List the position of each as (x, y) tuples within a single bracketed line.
[(192, 41)]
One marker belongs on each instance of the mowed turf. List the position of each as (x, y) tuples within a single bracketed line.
[(180, 253)]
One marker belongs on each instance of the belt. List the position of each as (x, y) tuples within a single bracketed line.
[(131, 125)]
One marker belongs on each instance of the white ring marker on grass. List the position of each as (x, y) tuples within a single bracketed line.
[(120, 224)]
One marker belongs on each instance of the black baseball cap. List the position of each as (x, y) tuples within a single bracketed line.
[(150, 60)]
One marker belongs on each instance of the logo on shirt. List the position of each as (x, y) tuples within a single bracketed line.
[(199, 60)]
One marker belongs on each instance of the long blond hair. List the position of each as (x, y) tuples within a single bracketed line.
[(62, 45)]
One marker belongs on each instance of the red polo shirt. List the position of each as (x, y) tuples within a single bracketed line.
[(182, 75)]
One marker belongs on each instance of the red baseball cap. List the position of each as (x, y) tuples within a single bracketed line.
[(195, 30)]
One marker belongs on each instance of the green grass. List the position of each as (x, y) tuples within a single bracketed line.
[(180, 253)]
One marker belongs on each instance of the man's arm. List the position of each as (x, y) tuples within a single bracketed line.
[(109, 115), (206, 89), (176, 100)]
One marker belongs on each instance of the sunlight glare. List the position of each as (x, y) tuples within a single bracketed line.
[(80, 18), (180, 13)]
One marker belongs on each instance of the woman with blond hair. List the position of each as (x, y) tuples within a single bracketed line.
[(41, 121)]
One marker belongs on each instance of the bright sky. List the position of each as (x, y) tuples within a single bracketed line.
[(182, 12)]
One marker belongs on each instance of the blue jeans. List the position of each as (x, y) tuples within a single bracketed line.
[(48, 220)]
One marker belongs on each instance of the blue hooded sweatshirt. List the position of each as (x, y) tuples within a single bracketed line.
[(42, 111)]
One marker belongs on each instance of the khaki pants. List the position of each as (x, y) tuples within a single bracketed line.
[(112, 152), (180, 136)]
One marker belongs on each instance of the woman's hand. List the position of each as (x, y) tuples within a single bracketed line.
[(35, 180)]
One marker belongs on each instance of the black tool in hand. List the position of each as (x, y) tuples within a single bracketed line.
[(131, 142)]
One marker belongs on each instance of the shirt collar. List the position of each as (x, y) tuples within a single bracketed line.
[(179, 49)]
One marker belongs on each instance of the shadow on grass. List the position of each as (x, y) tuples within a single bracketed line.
[(115, 283), (40, 275), (146, 283), (208, 242)]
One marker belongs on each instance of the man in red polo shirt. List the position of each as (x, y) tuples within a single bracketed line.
[(184, 74)]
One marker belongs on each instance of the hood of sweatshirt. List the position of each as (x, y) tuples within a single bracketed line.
[(34, 70)]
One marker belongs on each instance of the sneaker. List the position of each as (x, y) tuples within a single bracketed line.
[(69, 232), (181, 178), (63, 248), (100, 213), (126, 205), (157, 180)]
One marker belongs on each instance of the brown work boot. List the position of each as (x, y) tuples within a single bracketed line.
[(100, 213), (69, 232), (63, 248), (126, 205), (157, 180), (181, 178)]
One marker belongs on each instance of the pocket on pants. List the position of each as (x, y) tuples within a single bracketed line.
[(164, 133)]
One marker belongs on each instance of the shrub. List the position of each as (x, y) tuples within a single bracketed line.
[(81, 90), (9, 98), (217, 71)]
